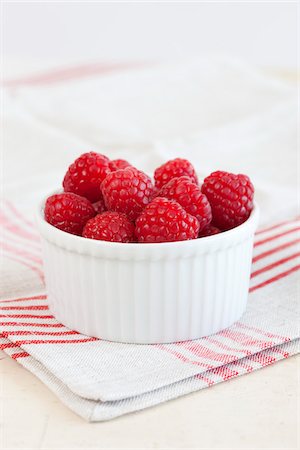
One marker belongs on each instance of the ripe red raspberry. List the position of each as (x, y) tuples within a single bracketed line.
[(230, 197), (117, 164), (127, 191), (174, 168), (99, 206), (109, 226), (209, 231), (155, 191), (190, 197), (165, 221), (85, 175), (68, 212)]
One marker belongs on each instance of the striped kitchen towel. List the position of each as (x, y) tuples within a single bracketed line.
[(100, 380)]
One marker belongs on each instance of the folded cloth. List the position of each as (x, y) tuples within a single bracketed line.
[(96, 411), (221, 115), (100, 380)]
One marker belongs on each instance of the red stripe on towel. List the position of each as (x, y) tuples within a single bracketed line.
[(278, 225), (22, 299), (25, 316), (204, 352), (71, 73), (184, 358), (22, 253), (38, 333), (55, 341), (264, 333), (276, 278), (274, 250), (19, 215), (30, 266), (274, 264), (45, 341), (224, 372), (27, 308), (276, 236), (29, 324), (19, 355), (207, 380)]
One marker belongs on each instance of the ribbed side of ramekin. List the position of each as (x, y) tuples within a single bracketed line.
[(148, 293)]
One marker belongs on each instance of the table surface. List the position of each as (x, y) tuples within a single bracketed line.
[(254, 411)]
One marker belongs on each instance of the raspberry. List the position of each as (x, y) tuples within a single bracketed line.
[(209, 231), (155, 191), (109, 226), (99, 206), (190, 197), (165, 221), (117, 164), (127, 191), (68, 212), (230, 197), (85, 175), (174, 168)]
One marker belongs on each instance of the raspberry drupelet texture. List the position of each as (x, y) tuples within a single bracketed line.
[(85, 175), (68, 212), (209, 231), (175, 168), (99, 206), (117, 164), (190, 197), (155, 191), (165, 220), (230, 197), (109, 226), (127, 191)]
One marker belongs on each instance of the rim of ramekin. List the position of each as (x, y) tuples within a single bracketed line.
[(71, 241)]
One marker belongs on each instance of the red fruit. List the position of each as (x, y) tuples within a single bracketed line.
[(68, 212), (127, 191), (190, 197), (175, 168), (85, 175), (165, 221), (156, 191), (230, 197), (99, 206), (117, 164), (209, 231), (109, 226)]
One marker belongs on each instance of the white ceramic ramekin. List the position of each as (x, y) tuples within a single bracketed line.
[(148, 293)]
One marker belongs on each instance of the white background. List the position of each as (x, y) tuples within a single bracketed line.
[(264, 33)]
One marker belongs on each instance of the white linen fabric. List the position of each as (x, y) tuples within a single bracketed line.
[(221, 115)]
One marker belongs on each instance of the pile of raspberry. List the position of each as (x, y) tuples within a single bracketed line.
[(110, 200)]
